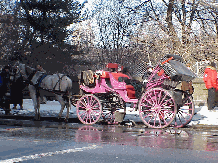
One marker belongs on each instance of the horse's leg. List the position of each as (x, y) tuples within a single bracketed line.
[(33, 95), (68, 105), (62, 102), (38, 106)]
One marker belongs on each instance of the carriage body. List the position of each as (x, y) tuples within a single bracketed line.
[(159, 103)]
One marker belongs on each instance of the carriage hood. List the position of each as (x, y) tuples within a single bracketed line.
[(178, 71)]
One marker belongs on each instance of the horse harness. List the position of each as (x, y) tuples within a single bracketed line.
[(59, 81)]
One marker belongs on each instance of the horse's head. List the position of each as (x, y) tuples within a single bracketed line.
[(23, 70)]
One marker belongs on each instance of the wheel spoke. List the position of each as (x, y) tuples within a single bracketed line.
[(95, 105), (144, 105), (91, 100), (82, 114), (163, 99), (182, 112), (154, 99), (82, 107), (151, 118), (84, 104), (94, 114), (166, 101), (148, 115), (150, 100), (181, 115), (159, 98)]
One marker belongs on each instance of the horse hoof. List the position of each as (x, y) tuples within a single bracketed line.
[(59, 119), (36, 119), (66, 120)]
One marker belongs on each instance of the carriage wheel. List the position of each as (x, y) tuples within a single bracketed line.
[(185, 112), (89, 109), (157, 108)]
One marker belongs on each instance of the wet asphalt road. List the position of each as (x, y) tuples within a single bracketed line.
[(73, 142)]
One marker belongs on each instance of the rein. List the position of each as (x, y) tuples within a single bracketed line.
[(59, 81)]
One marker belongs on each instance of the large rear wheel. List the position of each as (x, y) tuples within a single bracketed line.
[(157, 108), (89, 109)]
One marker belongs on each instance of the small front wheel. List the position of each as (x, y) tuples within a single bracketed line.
[(89, 109), (157, 108), (185, 112)]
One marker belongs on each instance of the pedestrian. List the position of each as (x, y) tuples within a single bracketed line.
[(5, 79), (210, 80), (5, 89), (17, 91)]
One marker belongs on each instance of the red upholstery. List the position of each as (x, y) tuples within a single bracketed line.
[(112, 65), (117, 75), (130, 89), (131, 93), (105, 74)]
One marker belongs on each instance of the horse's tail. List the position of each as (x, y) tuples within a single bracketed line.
[(69, 87), (69, 91), (75, 84)]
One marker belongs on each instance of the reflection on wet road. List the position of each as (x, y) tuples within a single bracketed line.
[(62, 139), (164, 138)]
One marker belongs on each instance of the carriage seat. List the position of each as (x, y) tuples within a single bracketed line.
[(121, 78)]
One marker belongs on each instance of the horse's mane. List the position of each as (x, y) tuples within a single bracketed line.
[(30, 72)]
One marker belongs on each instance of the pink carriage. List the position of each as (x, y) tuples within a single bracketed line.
[(160, 103)]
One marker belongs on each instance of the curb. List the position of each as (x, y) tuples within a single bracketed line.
[(28, 121), (53, 122)]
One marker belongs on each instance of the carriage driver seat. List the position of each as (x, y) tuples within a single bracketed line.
[(87, 77)]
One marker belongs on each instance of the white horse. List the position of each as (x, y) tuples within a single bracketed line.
[(59, 84)]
